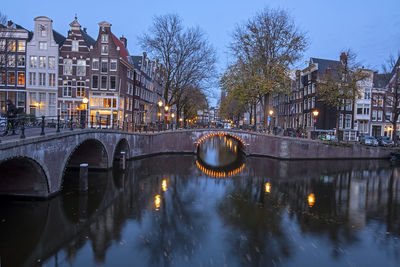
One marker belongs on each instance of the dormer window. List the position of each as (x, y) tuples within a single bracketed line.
[(104, 49), (104, 38)]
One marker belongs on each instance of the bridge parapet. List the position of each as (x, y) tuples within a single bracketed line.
[(52, 153)]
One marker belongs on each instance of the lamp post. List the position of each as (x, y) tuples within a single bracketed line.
[(85, 102), (271, 112), (315, 113)]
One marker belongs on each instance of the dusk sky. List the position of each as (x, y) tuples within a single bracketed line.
[(370, 28)]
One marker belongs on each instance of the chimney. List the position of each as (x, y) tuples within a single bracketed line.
[(84, 29), (343, 58), (124, 40), (9, 23)]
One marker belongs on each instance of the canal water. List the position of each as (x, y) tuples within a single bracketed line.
[(214, 209)]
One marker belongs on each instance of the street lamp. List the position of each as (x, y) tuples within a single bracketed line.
[(85, 102), (271, 112), (315, 113), (160, 103)]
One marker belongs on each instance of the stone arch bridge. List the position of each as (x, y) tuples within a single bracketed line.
[(35, 166)]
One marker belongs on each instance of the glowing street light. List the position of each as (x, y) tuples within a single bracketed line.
[(271, 112), (166, 108), (315, 113), (85, 100), (311, 199), (267, 188), (160, 103)]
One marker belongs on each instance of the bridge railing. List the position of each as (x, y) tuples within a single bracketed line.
[(24, 126)]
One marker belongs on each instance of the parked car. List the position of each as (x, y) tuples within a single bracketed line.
[(369, 140), (385, 141)]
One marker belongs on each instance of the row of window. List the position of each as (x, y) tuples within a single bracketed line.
[(40, 79), (104, 65), (10, 78), (347, 121), (79, 91), (103, 82), (12, 60), (80, 67), (43, 102), (12, 45), (42, 62)]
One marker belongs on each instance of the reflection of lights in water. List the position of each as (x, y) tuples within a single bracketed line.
[(164, 185), (157, 202), (235, 149), (311, 199), (267, 188), (219, 174)]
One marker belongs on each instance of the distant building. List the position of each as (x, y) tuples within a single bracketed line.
[(13, 39), (42, 68), (112, 78), (74, 68)]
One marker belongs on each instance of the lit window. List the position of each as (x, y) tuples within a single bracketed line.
[(3, 78), (11, 78), (21, 78), (21, 46), (80, 89), (42, 45), (75, 46), (12, 45)]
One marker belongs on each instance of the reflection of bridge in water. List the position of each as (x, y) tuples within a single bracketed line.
[(347, 193)]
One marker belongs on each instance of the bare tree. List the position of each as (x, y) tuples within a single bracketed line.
[(188, 58), (267, 46)]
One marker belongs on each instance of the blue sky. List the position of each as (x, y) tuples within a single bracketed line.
[(370, 28)]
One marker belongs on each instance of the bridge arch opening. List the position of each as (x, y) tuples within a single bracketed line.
[(90, 151), (23, 177), (122, 146), (221, 134)]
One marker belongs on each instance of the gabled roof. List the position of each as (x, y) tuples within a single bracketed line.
[(123, 52), (87, 38), (381, 79), (137, 61), (59, 38), (324, 64)]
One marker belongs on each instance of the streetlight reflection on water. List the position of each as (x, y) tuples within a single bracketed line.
[(164, 185), (157, 202)]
